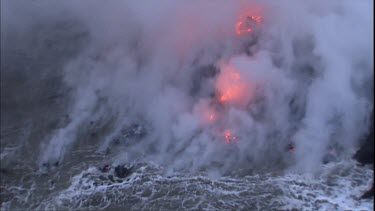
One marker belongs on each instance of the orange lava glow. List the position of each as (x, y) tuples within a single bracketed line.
[(231, 87), (229, 138), (248, 20), (246, 24)]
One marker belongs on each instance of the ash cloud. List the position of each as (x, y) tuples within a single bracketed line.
[(309, 66)]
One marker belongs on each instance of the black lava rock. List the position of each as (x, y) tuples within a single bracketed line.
[(110, 177), (369, 193), (121, 171), (328, 158), (365, 154)]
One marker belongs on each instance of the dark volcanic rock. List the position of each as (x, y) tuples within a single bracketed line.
[(121, 171), (369, 193), (328, 158), (365, 154), (110, 177)]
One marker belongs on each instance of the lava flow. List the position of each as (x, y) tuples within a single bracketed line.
[(246, 24), (229, 138), (231, 87), (233, 90)]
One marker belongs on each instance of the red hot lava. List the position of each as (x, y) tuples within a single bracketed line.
[(233, 90), (250, 17), (229, 138), (232, 87), (246, 24)]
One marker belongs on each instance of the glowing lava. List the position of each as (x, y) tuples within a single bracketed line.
[(245, 24), (232, 87), (229, 138), (233, 91)]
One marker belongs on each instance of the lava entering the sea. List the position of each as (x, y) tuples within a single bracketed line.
[(233, 90)]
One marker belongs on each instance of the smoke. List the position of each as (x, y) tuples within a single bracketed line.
[(207, 97)]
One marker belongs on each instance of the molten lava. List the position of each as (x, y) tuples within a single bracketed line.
[(233, 91), (246, 24), (229, 138), (231, 87)]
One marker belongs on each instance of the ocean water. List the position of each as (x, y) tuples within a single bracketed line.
[(81, 185), (78, 184)]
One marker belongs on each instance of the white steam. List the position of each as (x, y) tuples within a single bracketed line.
[(157, 64)]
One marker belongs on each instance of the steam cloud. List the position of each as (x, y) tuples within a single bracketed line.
[(305, 71)]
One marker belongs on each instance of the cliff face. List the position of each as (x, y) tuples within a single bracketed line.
[(365, 154)]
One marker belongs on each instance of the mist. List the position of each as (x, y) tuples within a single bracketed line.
[(196, 95)]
